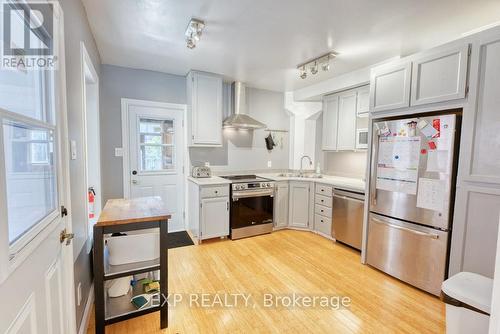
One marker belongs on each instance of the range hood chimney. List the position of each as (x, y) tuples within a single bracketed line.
[(239, 119)]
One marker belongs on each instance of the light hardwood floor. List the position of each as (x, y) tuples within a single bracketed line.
[(282, 263)]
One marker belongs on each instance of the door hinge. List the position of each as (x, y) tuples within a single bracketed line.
[(201, 205), (192, 137), (466, 91), (64, 211), (469, 52), (184, 214)]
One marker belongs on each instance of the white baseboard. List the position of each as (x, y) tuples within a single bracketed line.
[(84, 325)]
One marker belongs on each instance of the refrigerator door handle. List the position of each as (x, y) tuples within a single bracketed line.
[(430, 235), (374, 164)]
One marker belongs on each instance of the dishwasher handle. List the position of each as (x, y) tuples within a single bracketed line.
[(348, 195)]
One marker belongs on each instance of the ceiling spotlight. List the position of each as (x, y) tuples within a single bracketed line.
[(314, 68), (303, 72), (193, 32), (313, 65)]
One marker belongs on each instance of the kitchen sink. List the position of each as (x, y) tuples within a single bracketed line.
[(305, 176)]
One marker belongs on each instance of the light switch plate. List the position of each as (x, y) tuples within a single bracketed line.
[(118, 152), (269, 164), (207, 164), (73, 149)]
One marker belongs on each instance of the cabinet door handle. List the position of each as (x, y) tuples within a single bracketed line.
[(227, 205)]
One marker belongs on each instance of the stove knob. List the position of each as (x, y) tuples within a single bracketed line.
[(269, 184)]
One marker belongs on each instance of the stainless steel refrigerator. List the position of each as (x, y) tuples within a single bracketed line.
[(411, 197)]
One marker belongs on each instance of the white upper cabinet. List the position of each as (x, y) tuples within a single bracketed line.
[(390, 86), (330, 121), (363, 103), (482, 121), (347, 121), (204, 99), (439, 75)]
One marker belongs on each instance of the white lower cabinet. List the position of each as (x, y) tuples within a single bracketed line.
[(281, 205), (208, 211), (214, 217), (323, 209), (299, 204)]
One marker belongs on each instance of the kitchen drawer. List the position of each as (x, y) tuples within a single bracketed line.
[(324, 190), (214, 191), (323, 224), (323, 200), (322, 210)]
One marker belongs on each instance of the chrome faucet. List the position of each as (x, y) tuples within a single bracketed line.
[(302, 161)]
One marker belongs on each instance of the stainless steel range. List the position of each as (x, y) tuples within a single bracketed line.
[(251, 209)]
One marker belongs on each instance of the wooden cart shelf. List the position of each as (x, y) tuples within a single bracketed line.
[(121, 215)]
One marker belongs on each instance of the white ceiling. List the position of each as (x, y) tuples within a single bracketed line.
[(260, 42)]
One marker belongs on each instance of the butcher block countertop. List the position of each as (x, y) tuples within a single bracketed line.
[(126, 211)]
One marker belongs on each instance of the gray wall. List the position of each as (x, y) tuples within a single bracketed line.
[(246, 150), (76, 29), (117, 83)]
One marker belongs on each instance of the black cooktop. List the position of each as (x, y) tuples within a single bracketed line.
[(244, 178)]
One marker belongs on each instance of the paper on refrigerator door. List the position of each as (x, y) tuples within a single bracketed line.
[(398, 161), (437, 161), (431, 194)]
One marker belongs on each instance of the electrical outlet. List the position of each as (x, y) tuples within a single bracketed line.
[(79, 293), (207, 164), (269, 164)]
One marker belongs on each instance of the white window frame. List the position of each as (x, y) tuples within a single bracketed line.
[(12, 255), (140, 144)]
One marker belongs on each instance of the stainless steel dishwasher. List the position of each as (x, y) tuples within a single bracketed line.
[(347, 217)]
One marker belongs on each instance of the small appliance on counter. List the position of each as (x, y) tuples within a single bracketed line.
[(201, 172)]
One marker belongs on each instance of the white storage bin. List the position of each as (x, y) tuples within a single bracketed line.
[(468, 302), (137, 247)]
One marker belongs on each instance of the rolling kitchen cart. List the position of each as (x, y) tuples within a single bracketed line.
[(123, 215)]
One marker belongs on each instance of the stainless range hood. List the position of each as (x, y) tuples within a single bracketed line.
[(239, 119)]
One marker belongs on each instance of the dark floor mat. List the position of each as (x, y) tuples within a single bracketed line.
[(179, 239)]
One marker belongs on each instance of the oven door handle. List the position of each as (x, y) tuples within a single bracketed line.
[(253, 193)]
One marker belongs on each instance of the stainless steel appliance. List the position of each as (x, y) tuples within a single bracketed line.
[(412, 187), (251, 209), (347, 217), (201, 172)]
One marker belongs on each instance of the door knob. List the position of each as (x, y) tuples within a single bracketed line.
[(134, 172), (66, 236)]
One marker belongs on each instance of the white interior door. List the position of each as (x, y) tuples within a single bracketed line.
[(36, 269), (156, 155)]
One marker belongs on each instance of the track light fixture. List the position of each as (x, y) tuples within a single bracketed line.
[(313, 65), (193, 32), (303, 72)]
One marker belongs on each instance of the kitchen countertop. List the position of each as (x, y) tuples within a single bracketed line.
[(336, 181), (207, 181)]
